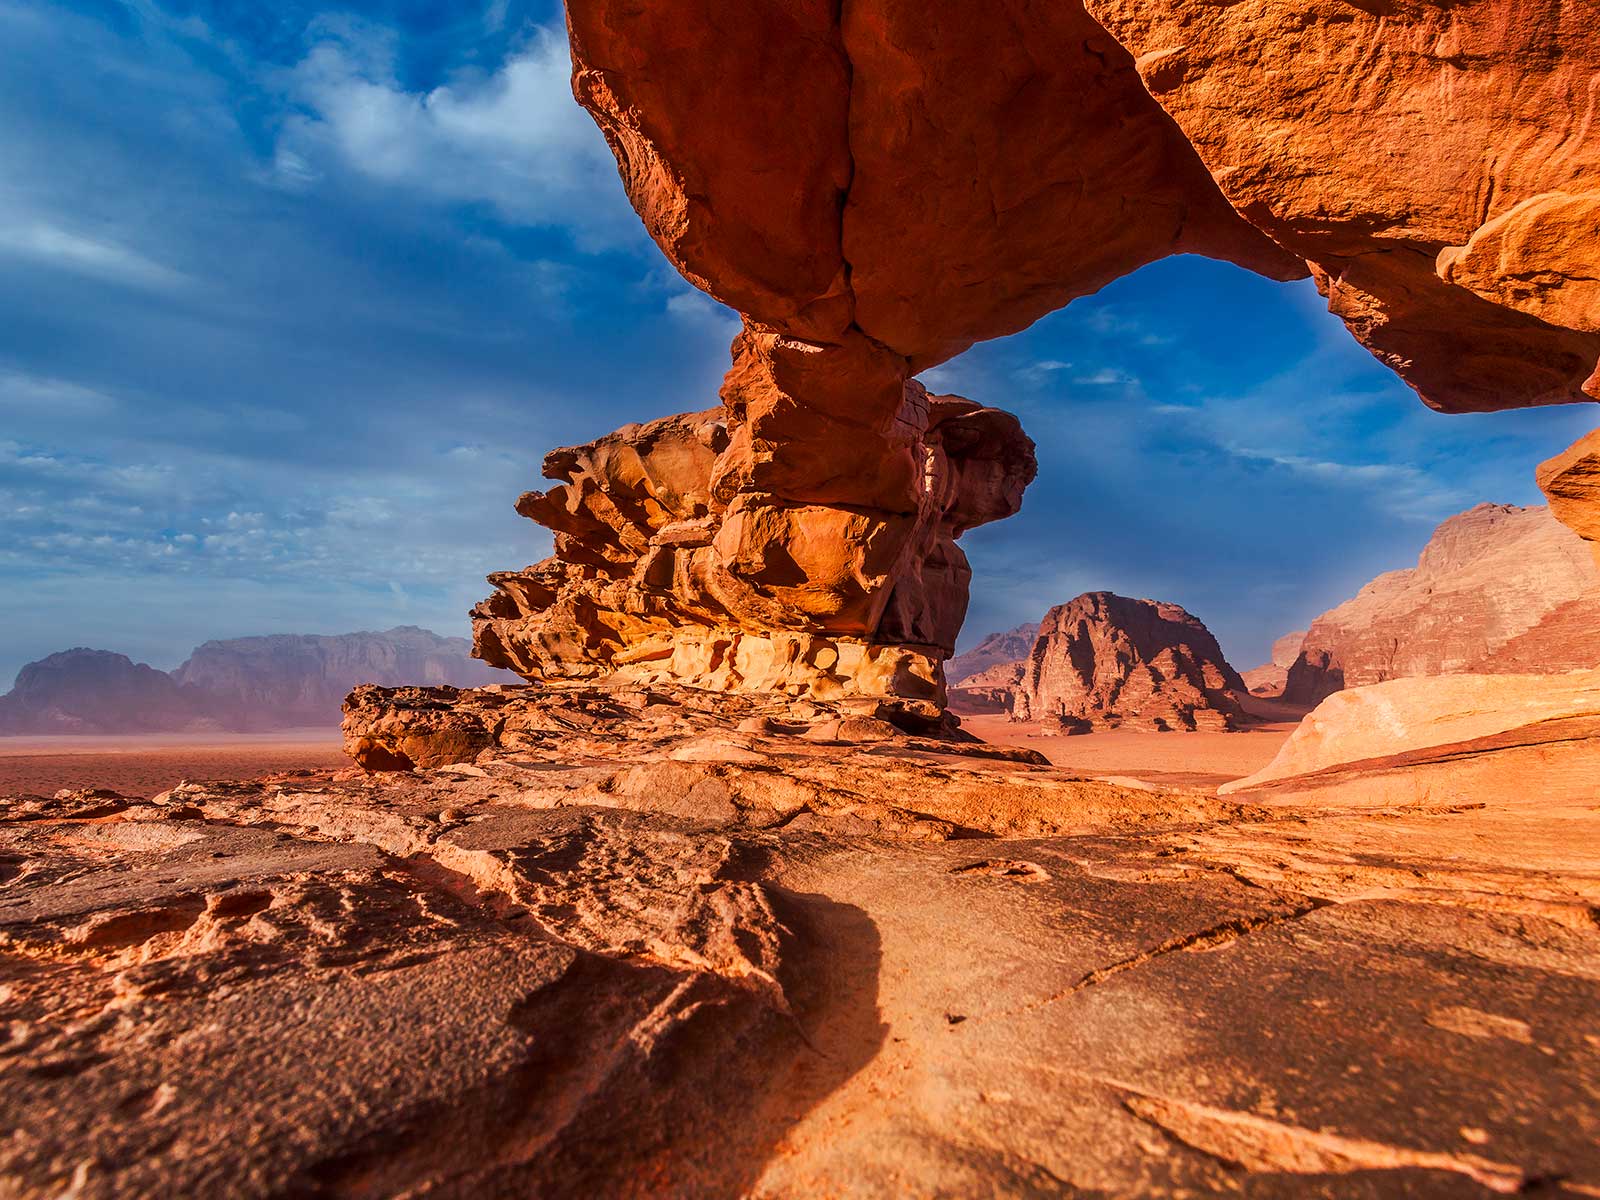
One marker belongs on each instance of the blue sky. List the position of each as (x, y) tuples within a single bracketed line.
[(293, 299)]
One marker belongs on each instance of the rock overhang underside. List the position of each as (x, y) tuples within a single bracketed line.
[(877, 185)]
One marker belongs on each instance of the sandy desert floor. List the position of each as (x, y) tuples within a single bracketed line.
[(149, 764), (1181, 760)]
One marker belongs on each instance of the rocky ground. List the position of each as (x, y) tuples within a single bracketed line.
[(637, 947)]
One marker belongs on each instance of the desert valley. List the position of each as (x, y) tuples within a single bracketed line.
[(708, 867)]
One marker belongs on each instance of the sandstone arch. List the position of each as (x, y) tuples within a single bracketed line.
[(877, 184)]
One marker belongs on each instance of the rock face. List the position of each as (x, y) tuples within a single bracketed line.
[(691, 549), (1104, 136), (1490, 575), (833, 203), (1571, 480), (996, 650), (96, 691), (241, 685), (286, 680), (1103, 661), (1269, 678), (985, 678)]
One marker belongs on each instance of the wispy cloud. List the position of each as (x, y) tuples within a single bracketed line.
[(513, 140), (98, 258)]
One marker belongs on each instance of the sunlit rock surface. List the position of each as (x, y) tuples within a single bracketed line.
[(687, 550), (1571, 480), (1104, 661), (1479, 599), (630, 948), (959, 172)]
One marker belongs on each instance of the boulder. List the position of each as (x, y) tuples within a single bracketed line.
[(1571, 480), (1104, 661), (1388, 719), (1487, 576)]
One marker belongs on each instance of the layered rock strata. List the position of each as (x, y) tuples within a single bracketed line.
[(1104, 661), (727, 550), (1487, 578)]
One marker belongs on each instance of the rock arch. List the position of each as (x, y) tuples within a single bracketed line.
[(875, 185)]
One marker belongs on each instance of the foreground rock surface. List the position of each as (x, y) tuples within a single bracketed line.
[(1104, 661), (659, 955), (1487, 578)]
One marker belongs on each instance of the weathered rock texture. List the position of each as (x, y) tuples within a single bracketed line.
[(1103, 661), (878, 185), (1269, 678), (652, 955), (1571, 480), (1488, 577), (959, 171), (691, 549), (985, 678)]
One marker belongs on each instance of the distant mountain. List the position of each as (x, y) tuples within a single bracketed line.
[(301, 679), (245, 684), (1012, 646), (96, 691)]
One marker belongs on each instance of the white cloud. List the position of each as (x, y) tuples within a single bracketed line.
[(515, 140), (99, 258), (700, 310)]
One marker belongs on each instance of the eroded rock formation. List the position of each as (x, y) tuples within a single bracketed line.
[(729, 550), (996, 650), (1487, 578), (1571, 480), (1104, 661), (885, 183), (959, 171)]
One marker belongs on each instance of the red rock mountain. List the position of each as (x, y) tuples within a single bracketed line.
[(1104, 661), (998, 649), (1497, 589), (284, 680)]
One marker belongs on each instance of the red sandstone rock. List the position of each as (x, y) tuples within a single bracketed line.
[(1572, 482), (1419, 158), (998, 649), (955, 173), (1269, 678), (632, 951), (1104, 661), (1486, 577), (1414, 714), (687, 552)]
